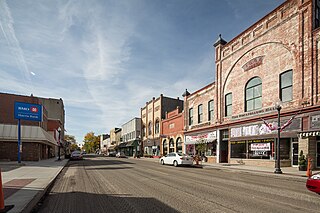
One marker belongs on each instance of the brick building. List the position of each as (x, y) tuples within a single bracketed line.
[(172, 137), (199, 124), (151, 115), (39, 139), (277, 58)]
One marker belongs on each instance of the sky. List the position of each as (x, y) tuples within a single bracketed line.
[(107, 58)]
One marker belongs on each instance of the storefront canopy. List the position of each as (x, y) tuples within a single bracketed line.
[(309, 134), (201, 138)]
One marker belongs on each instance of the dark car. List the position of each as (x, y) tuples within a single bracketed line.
[(313, 183)]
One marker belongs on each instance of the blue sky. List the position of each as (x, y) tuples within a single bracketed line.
[(107, 58)]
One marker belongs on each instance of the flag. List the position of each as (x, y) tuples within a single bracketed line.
[(287, 123), (269, 125)]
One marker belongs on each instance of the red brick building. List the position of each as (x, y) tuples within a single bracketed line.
[(151, 116), (172, 132), (39, 139), (277, 58)]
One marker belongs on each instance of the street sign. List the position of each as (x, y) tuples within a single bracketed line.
[(26, 111)]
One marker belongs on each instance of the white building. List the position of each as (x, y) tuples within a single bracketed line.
[(131, 137)]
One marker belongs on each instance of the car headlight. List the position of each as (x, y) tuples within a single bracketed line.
[(315, 177)]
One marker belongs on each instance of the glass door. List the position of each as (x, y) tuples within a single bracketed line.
[(295, 153)]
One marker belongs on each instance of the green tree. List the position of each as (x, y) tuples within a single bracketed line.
[(74, 147), (91, 142), (70, 138)]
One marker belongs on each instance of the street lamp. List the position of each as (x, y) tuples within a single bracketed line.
[(59, 144), (278, 169)]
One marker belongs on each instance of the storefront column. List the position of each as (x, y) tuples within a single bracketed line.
[(218, 146)]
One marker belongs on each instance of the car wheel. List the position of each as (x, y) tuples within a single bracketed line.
[(175, 163), (162, 162)]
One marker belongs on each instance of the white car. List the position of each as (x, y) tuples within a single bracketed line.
[(176, 159)]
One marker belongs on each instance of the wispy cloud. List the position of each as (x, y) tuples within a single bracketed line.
[(7, 29)]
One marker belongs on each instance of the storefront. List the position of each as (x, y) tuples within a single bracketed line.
[(203, 144), (152, 147), (256, 144)]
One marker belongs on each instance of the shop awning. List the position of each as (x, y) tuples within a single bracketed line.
[(309, 134), (9, 132)]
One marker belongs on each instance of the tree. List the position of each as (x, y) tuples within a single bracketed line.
[(91, 142), (74, 147), (70, 138)]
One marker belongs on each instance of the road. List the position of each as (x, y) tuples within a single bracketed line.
[(100, 184)]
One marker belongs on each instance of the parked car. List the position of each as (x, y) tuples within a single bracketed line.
[(313, 183), (83, 152), (76, 155), (176, 159), (120, 155)]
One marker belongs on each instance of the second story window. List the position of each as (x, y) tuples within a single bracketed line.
[(200, 114), (143, 131), (210, 110), (228, 105), (286, 86), (157, 127), (253, 94), (150, 128), (190, 116)]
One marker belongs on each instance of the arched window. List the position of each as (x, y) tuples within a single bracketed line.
[(253, 94), (157, 127), (171, 145), (179, 145), (150, 128), (165, 147)]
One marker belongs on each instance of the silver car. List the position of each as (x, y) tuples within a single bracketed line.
[(176, 159)]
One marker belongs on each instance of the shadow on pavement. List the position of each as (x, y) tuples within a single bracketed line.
[(88, 202), (108, 168)]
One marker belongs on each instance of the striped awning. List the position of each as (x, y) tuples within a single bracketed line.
[(309, 134)]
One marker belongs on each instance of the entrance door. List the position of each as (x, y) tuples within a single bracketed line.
[(318, 154), (224, 152), (295, 153)]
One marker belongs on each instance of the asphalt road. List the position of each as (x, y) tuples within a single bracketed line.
[(100, 184)]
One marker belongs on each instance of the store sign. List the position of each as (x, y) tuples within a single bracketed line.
[(315, 122), (257, 61), (262, 129), (201, 138), (26, 111), (260, 146)]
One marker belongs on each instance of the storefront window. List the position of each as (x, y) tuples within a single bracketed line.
[(238, 149), (171, 145), (259, 149), (211, 149), (164, 148), (179, 145)]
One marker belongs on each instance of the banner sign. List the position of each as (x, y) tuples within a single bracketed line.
[(260, 146), (201, 138), (27, 111)]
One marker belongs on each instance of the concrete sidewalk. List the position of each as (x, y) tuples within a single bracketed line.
[(25, 184)]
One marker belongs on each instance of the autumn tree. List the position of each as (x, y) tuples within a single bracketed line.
[(91, 142), (70, 138)]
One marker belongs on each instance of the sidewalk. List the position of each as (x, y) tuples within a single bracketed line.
[(24, 185), (287, 172)]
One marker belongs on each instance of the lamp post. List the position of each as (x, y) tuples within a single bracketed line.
[(278, 169), (59, 144)]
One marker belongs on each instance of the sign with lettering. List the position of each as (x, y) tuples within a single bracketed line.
[(253, 63), (27, 111), (260, 146), (205, 138)]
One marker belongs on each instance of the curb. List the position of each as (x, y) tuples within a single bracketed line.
[(31, 206)]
